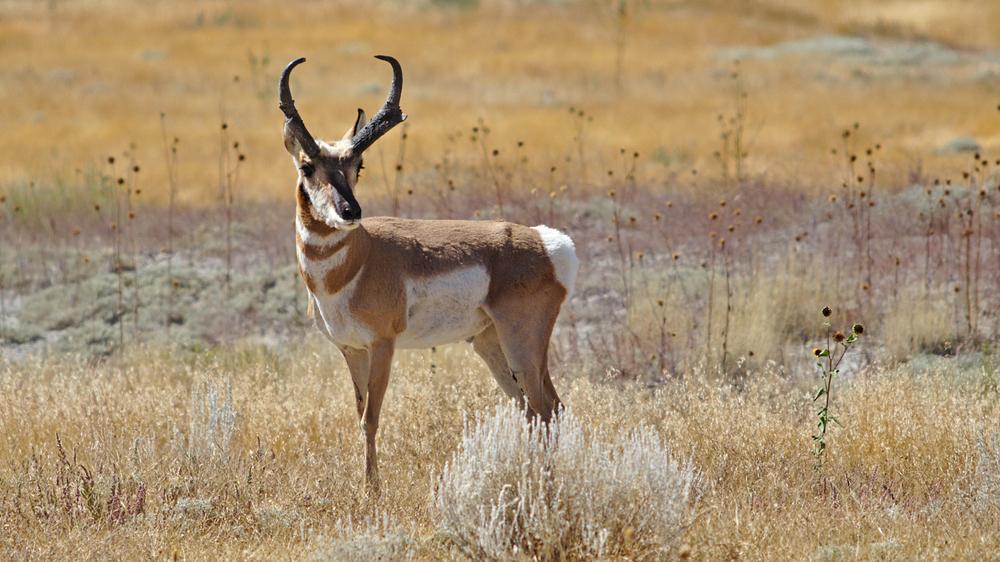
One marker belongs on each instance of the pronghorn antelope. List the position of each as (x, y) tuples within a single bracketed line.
[(384, 283)]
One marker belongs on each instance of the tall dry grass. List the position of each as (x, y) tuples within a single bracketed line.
[(108, 467)]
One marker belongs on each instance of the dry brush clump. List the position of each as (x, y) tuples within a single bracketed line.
[(376, 538), (519, 489)]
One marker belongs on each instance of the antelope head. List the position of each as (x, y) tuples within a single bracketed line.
[(328, 171)]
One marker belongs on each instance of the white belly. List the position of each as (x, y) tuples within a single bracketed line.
[(445, 308)]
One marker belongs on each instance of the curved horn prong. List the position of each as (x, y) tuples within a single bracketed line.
[(294, 126), (388, 116)]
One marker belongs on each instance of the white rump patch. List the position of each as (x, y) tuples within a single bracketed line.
[(562, 254)]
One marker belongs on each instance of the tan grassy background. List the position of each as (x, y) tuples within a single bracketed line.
[(86, 79), (910, 475)]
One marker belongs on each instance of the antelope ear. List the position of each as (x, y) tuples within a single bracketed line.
[(358, 124), (291, 145)]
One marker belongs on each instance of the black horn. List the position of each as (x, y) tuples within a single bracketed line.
[(294, 126), (388, 116)]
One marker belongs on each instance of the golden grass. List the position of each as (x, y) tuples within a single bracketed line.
[(919, 323), (86, 80), (901, 478), (904, 478)]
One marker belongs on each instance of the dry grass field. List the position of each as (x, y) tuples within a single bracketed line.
[(726, 169)]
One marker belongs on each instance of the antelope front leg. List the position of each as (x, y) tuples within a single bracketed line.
[(380, 356), (357, 364)]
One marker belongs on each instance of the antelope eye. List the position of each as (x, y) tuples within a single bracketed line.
[(307, 169)]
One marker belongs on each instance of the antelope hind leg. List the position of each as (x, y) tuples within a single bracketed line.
[(487, 346)]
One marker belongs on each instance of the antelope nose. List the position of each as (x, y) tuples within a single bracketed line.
[(350, 213)]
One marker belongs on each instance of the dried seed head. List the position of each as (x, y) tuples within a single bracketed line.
[(827, 311), (858, 329), (838, 336)]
